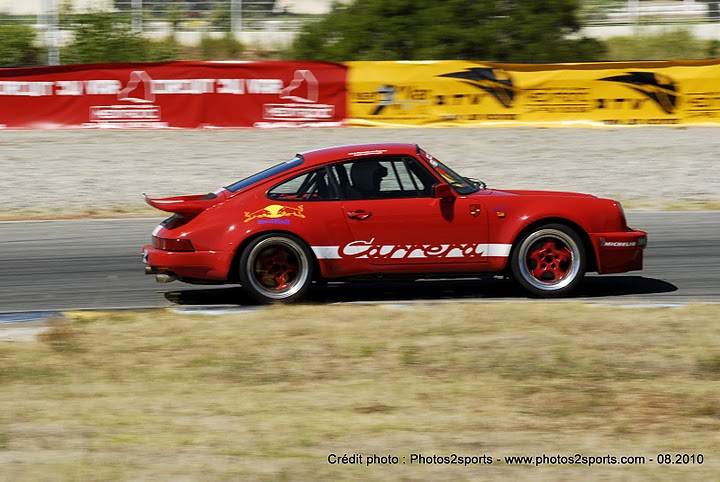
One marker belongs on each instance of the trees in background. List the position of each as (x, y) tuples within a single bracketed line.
[(668, 44), (101, 37), (18, 47), (490, 30), (485, 30)]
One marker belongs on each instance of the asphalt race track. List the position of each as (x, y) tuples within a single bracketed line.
[(95, 264)]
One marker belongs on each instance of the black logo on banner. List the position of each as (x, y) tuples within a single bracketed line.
[(658, 87), (388, 93), (496, 82)]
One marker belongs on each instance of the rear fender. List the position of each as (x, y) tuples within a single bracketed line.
[(233, 273)]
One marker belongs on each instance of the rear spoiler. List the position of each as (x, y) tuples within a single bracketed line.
[(186, 205)]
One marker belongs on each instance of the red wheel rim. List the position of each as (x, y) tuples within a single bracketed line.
[(276, 268), (549, 260)]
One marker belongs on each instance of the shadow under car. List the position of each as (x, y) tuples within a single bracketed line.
[(428, 290)]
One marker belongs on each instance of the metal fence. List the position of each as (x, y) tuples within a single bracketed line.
[(289, 15), (180, 15), (648, 12), (222, 15), (270, 21), (210, 15), (277, 21)]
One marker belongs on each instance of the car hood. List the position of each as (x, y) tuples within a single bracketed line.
[(517, 192), (187, 205)]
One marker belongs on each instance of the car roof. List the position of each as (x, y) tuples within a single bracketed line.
[(329, 154)]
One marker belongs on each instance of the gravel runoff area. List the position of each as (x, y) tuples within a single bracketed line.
[(48, 173)]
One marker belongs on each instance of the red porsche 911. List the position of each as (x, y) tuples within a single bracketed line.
[(389, 209)]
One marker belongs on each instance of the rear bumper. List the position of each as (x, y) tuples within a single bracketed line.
[(619, 252), (199, 265)]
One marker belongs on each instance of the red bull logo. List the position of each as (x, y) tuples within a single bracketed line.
[(274, 214)]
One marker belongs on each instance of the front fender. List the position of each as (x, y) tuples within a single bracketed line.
[(512, 217)]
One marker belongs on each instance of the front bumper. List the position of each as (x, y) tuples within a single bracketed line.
[(619, 252), (191, 265)]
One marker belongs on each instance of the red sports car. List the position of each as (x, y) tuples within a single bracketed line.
[(385, 210)]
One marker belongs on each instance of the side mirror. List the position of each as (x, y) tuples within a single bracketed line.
[(443, 191)]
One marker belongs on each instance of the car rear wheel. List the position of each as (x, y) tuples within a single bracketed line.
[(549, 261), (276, 267)]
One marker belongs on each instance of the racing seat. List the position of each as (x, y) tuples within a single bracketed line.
[(366, 177)]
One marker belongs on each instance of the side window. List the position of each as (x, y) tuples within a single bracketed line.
[(384, 178), (310, 186)]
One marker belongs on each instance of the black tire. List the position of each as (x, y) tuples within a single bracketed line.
[(276, 267), (549, 261)]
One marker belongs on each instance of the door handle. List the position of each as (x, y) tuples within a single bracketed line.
[(360, 215)]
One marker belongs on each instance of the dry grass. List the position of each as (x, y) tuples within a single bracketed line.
[(269, 394), (670, 205), (139, 211)]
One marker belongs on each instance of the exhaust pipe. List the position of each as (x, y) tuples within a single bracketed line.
[(161, 275)]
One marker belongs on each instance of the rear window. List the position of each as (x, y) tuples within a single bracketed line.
[(266, 174), (309, 186)]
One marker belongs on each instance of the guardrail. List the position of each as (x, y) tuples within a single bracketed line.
[(633, 12)]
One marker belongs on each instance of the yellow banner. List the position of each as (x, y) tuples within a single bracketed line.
[(464, 93)]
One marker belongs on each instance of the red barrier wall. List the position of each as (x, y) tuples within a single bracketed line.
[(174, 95)]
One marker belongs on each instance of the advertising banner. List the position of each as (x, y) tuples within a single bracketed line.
[(464, 93), (174, 95)]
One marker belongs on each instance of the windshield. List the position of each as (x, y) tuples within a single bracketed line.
[(461, 184), (267, 173)]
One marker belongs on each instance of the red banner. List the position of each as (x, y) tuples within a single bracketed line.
[(174, 95)]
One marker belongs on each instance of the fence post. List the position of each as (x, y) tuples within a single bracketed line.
[(236, 16), (634, 11), (137, 16), (50, 19)]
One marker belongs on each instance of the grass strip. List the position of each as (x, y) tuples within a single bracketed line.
[(269, 394)]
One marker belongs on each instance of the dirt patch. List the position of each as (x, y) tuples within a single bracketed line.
[(104, 173), (25, 332)]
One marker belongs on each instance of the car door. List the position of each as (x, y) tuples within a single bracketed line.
[(395, 221)]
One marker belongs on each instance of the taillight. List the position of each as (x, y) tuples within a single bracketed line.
[(165, 244)]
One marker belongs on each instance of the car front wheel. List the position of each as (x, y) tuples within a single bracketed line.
[(276, 267), (549, 261)]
